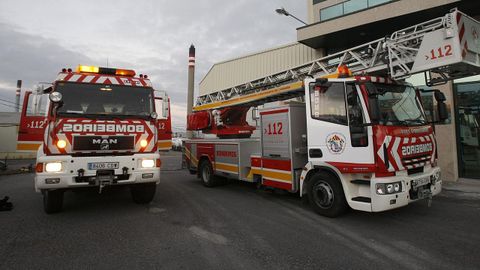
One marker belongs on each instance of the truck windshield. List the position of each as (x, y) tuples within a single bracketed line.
[(99, 99), (399, 105)]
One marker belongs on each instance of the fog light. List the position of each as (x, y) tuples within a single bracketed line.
[(147, 175), (148, 163), (143, 143), (52, 180), (53, 167)]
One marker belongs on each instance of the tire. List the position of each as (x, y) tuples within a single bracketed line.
[(53, 201), (143, 193), (326, 196), (206, 174)]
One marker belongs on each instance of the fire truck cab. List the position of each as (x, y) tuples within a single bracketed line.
[(100, 127)]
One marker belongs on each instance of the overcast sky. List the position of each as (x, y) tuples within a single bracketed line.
[(39, 38)]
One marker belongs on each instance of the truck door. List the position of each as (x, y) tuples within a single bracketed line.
[(33, 121), (164, 121), (336, 134)]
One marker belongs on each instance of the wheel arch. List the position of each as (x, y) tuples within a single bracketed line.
[(320, 168)]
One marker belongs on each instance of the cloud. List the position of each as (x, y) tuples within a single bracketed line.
[(151, 37)]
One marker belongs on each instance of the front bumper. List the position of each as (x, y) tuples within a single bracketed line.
[(408, 194), (69, 176)]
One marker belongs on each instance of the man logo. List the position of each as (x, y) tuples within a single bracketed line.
[(104, 143)]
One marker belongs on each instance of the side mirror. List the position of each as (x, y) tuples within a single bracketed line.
[(374, 110), (442, 111), (441, 106)]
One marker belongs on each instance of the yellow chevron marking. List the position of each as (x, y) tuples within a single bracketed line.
[(164, 145), (28, 146), (284, 177), (251, 97), (226, 167)]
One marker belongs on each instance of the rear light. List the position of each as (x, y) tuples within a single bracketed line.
[(384, 174), (39, 168), (143, 143), (158, 163)]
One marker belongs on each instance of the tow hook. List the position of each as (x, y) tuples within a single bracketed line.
[(427, 194)]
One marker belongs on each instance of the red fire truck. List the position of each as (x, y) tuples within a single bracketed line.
[(355, 136), (96, 127)]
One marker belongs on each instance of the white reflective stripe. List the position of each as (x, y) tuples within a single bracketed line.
[(405, 140), (427, 138), (414, 140), (61, 76), (395, 154), (422, 139), (74, 78), (88, 79)]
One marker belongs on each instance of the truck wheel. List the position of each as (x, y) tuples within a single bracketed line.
[(206, 174), (143, 193), (326, 196), (52, 201)]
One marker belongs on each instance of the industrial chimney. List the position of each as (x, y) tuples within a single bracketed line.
[(191, 84)]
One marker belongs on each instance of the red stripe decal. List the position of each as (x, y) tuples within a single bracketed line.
[(461, 33), (459, 16), (283, 165), (274, 112), (353, 167), (256, 161), (276, 184)]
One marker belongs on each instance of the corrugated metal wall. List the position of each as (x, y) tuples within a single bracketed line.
[(250, 67)]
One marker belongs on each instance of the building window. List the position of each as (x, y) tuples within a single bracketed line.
[(317, 1), (348, 7)]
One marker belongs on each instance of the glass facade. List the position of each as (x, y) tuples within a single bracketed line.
[(348, 7), (467, 99)]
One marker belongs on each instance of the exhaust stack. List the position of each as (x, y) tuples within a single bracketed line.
[(17, 95)]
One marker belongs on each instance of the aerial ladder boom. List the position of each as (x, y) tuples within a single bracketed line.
[(448, 47)]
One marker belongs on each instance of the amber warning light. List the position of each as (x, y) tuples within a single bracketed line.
[(107, 71)]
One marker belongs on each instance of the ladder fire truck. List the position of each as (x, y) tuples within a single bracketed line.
[(96, 127), (360, 137)]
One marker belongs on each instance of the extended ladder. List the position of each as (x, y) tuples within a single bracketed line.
[(448, 46)]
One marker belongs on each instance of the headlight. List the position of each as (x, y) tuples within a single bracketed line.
[(53, 167), (389, 188), (148, 163), (143, 143)]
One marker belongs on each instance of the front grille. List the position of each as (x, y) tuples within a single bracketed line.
[(415, 170), (103, 143), (416, 161)]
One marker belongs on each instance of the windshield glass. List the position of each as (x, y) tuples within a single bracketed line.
[(399, 105), (99, 99)]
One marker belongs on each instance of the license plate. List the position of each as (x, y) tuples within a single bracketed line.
[(102, 165), (421, 181)]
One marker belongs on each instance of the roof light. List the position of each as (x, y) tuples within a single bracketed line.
[(103, 70), (125, 72), (87, 69), (344, 72)]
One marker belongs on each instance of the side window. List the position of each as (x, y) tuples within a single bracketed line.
[(37, 105), (327, 103), (356, 118)]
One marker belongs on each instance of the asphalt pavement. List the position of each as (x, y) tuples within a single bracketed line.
[(233, 226)]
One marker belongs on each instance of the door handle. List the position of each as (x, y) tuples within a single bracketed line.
[(315, 153)]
